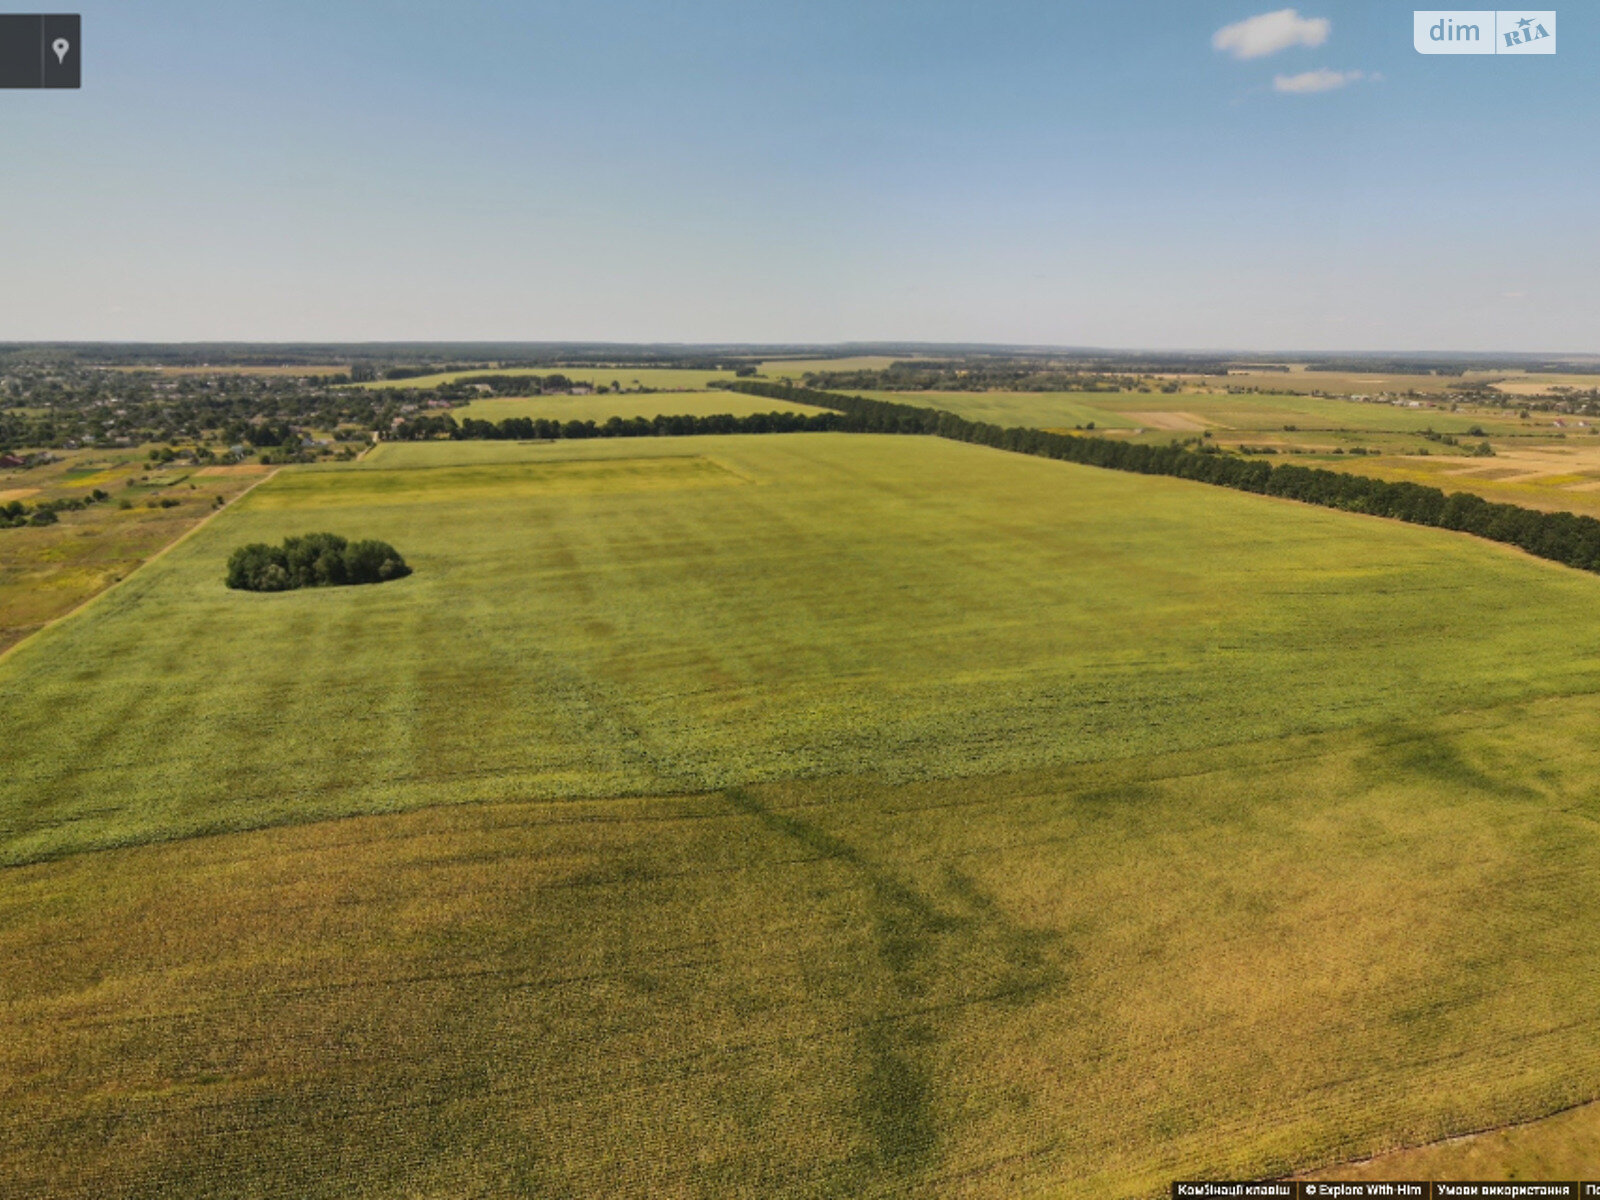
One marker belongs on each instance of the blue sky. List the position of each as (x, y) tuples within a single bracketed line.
[(1058, 173)]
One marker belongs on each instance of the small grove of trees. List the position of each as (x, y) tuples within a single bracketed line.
[(16, 513), (313, 560)]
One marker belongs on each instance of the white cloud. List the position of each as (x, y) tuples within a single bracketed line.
[(1270, 32), (1320, 80)]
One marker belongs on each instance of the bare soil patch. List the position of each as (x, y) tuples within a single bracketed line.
[(1177, 421), (240, 469)]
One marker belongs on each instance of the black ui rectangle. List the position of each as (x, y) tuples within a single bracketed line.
[(41, 50)]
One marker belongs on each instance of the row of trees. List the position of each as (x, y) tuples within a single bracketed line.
[(543, 429), (1563, 537), (314, 560)]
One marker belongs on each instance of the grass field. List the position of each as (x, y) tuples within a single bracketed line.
[(795, 815), (939, 610), (1167, 416), (1083, 982), (49, 570)]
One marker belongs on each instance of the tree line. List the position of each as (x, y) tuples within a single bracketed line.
[(527, 429), (1563, 536)]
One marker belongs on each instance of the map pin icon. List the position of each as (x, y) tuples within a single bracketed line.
[(61, 46)]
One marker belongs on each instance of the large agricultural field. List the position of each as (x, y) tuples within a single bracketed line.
[(814, 814), (1166, 416)]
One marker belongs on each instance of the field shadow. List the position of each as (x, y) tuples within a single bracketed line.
[(939, 954), (1421, 752)]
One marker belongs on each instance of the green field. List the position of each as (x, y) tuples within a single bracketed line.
[(794, 815), (765, 608)]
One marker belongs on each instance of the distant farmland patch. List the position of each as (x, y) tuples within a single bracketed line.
[(237, 469), (601, 408), (1182, 421), (660, 379)]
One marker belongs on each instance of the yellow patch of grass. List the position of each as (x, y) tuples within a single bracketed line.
[(1563, 1146), (353, 489), (1085, 981), (235, 470)]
